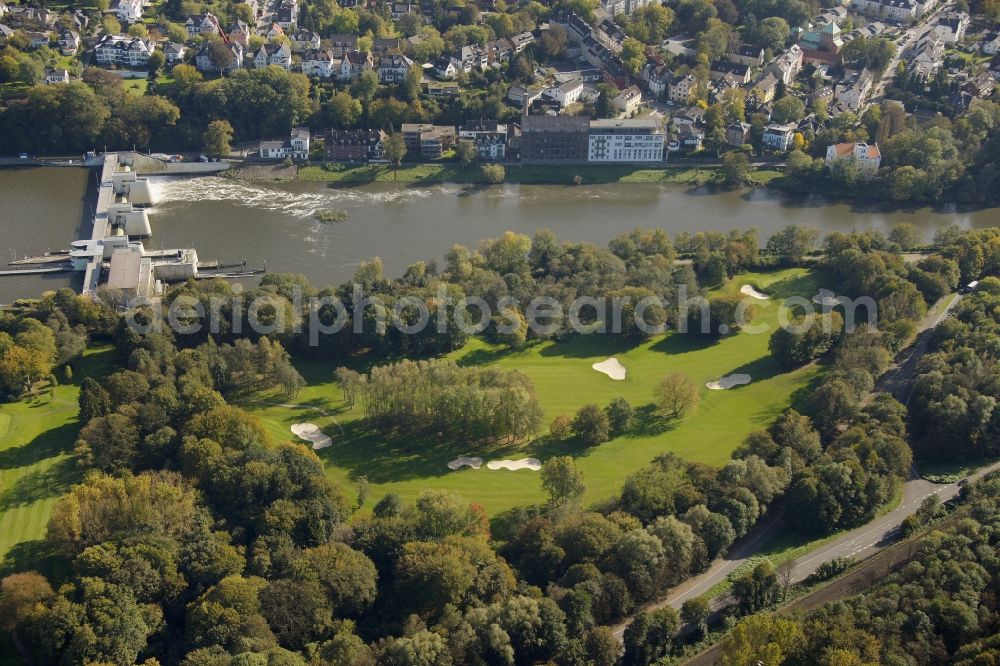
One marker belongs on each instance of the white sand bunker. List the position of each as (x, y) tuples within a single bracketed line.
[(748, 290), (729, 381), (612, 368), (826, 298), (311, 433), (524, 463), (463, 461)]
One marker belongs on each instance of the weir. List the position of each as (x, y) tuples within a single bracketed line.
[(110, 253)]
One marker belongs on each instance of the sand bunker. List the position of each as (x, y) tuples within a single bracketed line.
[(729, 381), (612, 368), (748, 290), (463, 461), (311, 433), (826, 298), (524, 463)]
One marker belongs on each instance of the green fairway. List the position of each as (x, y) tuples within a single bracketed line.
[(565, 381), (36, 440)]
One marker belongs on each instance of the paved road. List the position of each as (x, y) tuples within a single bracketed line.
[(858, 543), (911, 36)]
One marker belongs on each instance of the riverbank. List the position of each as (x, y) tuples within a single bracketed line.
[(586, 174)]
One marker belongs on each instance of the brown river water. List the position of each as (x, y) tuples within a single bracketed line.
[(272, 224)]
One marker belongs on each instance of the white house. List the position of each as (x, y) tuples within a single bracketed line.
[(628, 100), (303, 40), (354, 63), (295, 147), (786, 66), (69, 42), (854, 90), (273, 32), (273, 54), (445, 68), (173, 53), (866, 156), (59, 75), (679, 89), (905, 11), (778, 137), (128, 11), (952, 26), (991, 45), (287, 15), (203, 59), (123, 51), (625, 140), (566, 93), (321, 63), (393, 68), (206, 23)]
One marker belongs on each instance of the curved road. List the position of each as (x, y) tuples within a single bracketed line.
[(858, 543)]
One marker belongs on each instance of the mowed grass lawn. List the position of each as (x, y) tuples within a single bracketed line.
[(565, 381), (36, 465)]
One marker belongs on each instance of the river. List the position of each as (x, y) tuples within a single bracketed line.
[(272, 223)]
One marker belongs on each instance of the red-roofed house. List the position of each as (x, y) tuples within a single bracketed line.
[(866, 155)]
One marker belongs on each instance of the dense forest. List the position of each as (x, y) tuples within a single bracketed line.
[(196, 538)]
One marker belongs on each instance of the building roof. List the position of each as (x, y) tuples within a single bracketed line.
[(647, 123)]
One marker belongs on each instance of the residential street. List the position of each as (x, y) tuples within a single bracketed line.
[(913, 33), (858, 543)]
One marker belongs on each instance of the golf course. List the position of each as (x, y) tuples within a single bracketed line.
[(565, 380), (36, 464)]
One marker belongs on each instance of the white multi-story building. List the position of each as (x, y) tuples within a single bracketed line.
[(634, 140), (321, 63), (786, 66), (206, 23), (854, 91), (566, 93), (866, 156), (679, 89), (296, 146), (273, 54), (123, 51), (128, 11), (904, 11)]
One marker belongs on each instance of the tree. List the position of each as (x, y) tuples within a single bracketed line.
[(676, 395), (633, 55), (220, 55), (788, 109), (620, 414), (771, 33), (110, 25), (562, 480), (395, 149), (906, 236), (138, 30), (217, 138), (494, 173), (561, 427), (695, 612), (760, 640), (465, 152), (342, 110), (735, 167), (590, 425), (791, 244), (155, 64), (757, 589), (649, 636)]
